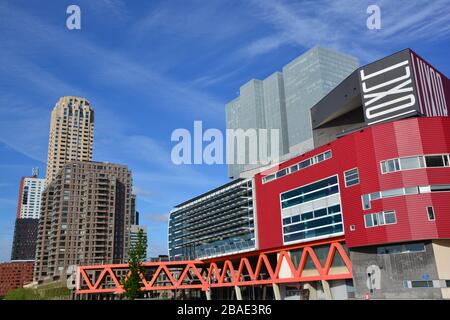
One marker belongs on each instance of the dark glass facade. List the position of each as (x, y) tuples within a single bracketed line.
[(25, 236), (217, 223)]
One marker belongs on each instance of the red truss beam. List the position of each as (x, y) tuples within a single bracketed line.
[(220, 272)]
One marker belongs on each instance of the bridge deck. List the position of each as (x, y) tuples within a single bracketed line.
[(255, 268)]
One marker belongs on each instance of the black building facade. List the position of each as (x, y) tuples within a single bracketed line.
[(25, 236)]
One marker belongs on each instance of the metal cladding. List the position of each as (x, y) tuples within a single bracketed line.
[(365, 151), (395, 87)]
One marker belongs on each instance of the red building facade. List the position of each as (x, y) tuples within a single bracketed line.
[(365, 150), (15, 275)]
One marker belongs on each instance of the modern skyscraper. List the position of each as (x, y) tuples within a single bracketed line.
[(307, 79), (86, 218), (282, 101), (25, 236), (71, 133), (260, 105), (29, 200)]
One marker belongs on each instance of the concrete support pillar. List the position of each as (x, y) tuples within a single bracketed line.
[(276, 291), (327, 290), (312, 291), (237, 289), (208, 294)]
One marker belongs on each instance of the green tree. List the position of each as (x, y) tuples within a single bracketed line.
[(137, 255)]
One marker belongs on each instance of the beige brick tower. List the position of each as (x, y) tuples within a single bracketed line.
[(71, 134)]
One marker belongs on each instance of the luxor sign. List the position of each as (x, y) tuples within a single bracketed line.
[(400, 86)]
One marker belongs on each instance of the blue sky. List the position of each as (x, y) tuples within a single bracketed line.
[(149, 67)]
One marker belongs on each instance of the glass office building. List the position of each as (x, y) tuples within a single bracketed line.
[(217, 223), (307, 79), (283, 101)]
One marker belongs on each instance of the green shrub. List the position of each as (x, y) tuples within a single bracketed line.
[(22, 294), (49, 293)]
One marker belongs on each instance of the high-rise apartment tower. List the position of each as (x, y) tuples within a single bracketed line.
[(85, 219), (29, 200), (71, 133)]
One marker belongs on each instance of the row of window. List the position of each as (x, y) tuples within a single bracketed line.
[(402, 248), (312, 215), (313, 191), (426, 284), (313, 224), (314, 233), (380, 219), (417, 162), (367, 198), (298, 166), (388, 217)]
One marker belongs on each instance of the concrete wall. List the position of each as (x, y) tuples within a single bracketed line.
[(394, 269), (441, 250)]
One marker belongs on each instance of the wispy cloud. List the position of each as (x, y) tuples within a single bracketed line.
[(117, 8), (140, 192), (155, 217), (342, 24), (115, 68)]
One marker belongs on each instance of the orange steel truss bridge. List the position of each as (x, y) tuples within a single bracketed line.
[(253, 268)]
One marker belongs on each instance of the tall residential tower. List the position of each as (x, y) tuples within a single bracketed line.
[(29, 200), (27, 218), (71, 133), (86, 218)]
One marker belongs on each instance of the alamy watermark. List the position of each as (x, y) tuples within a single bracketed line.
[(74, 20), (374, 20), (248, 147)]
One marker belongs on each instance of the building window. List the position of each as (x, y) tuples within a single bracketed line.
[(367, 198), (434, 161), (310, 192), (417, 162), (281, 173), (402, 248), (305, 222), (379, 219), (421, 284), (430, 212), (298, 166), (268, 178), (351, 177)]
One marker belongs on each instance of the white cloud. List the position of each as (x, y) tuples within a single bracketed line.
[(155, 217), (342, 24)]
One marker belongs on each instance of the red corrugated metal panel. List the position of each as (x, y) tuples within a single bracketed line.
[(365, 149)]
